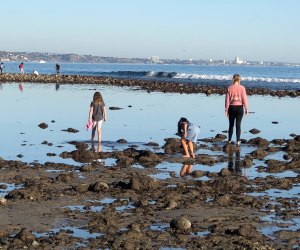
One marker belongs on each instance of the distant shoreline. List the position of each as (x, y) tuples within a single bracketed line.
[(147, 85)]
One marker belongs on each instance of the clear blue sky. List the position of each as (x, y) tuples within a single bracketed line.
[(266, 30)]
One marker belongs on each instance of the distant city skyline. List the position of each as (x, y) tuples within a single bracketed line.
[(252, 30)]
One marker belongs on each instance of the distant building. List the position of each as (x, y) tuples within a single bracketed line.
[(154, 59), (239, 61)]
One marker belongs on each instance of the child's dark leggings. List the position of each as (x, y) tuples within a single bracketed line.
[(235, 113)]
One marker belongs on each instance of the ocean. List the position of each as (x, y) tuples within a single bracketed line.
[(271, 77)]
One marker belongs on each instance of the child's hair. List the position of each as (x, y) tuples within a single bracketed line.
[(182, 119), (236, 78), (97, 99)]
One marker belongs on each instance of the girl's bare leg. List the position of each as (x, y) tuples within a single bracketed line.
[(183, 170), (191, 146), (93, 132), (99, 127), (185, 148)]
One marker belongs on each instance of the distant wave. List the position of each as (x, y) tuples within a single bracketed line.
[(186, 76)]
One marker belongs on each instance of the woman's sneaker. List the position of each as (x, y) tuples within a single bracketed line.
[(238, 143)]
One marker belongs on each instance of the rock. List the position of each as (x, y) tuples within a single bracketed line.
[(124, 160), (141, 182), (220, 137), (43, 125), (171, 204), (121, 141), (223, 199), (259, 142), (181, 224), (25, 236), (198, 173), (275, 122), (70, 130), (98, 187), (254, 131), (173, 174), (3, 201), (172, 145), (81, 188), (259, 153), (147, 158), (229, 147), (51, 154), (224, 172), (65, 177), (115, 108), (152, 144)]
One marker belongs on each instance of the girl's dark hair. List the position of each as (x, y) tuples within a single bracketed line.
[(180, 127), (98, 98)]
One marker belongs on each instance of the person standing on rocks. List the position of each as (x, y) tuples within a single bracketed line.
[(57, 68), (1, 67), (189, 134), (97, 114), (235, 102), (21, 67)]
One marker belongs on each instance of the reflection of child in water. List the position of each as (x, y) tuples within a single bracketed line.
[(189, 134), (186, 169)]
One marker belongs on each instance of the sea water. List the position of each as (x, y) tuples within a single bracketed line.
[(144, 117)]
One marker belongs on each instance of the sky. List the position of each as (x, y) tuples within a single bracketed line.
[(260, 30)]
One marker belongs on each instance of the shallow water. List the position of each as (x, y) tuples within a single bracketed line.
[(152, 117)]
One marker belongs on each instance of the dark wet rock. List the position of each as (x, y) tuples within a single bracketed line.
[(254, 131), (273, 149), (121, 141), (223, 199), (259, 142), (275, 122), (230, 147), (285, 184), (224, 172), (142, 182), (124, 160), (115, 108), (43, 125), (70, 130), (98, 187), (51, 154), (65, 177), (88, 168), (25, 236), (172, 145), (52, 121), (173, 174), (248, 231), (278, 141), (259, 153), (198, 173), (297, 138), (181, 224), (205, 160), (172, 205), (293, 135), (152, 144), (275, 166), (3, 186), (81, 188), (148, 158), (220, 137), (228, 184), (44, 142), (81, 154), (129, 106)]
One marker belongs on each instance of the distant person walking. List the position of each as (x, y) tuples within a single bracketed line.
[(1, 67), (21, 67), (57, 68), (235, 102), (97, 114)]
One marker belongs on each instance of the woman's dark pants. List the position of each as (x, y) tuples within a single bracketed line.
[(235, 113)]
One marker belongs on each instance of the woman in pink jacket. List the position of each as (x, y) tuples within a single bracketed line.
[(235, 102)]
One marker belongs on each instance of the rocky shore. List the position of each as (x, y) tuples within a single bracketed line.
[(95, 205), (148, 85)]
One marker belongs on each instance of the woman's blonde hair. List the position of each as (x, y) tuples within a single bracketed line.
[(97, 99), (236, 78)]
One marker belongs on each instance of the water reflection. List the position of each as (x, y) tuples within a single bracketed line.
[(99, 147), (186, 170), (57, 86), (21, 87), (234, 164)]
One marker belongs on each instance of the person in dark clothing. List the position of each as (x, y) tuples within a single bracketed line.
[(1, 67), (57, 68)]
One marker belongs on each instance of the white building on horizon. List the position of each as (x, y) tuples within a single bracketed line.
[(155, 59), (239, 61)]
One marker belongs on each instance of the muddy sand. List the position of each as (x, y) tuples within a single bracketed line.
[(96, 205)]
